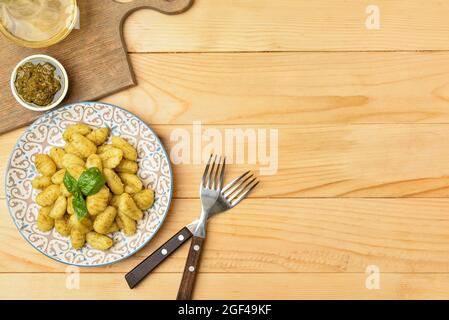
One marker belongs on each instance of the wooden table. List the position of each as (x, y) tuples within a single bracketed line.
[(363, 179)]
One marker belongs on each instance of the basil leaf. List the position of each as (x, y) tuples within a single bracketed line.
[(91, 181), (70, 182), (79, 205)]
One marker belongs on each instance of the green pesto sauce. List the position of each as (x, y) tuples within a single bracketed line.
[(37, 84)]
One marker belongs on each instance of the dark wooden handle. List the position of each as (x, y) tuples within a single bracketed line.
[(191, 269), (157, 257)]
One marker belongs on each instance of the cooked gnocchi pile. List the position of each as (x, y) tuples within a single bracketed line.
[(89, 188)]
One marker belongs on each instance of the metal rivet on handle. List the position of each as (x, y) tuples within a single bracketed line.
[(196, 247), (191, 268), (164, 251), (181, 237)]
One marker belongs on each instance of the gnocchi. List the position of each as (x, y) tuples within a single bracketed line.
[(114, 227), (56, 155), (80, 128), (144, 199), (127, 166), (103, 222), (129, 152), (84, 225), (98, 136), (98, 202), (76, 171), (94, 160), (114, 201), (111, 157), (78, 238), (118, 205), (47, 197), (128, 207), (71, 149), (84, 146), (58, 176), (114, 182), (103, 148), (44, 221), (40, 183), (70, 209), (132, 182), (128, 225), (99, 241), (59, 208), (62, 226), (71, 160), (45, 165)]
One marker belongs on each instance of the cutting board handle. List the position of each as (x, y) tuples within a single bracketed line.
[(170, 7), (163, 6)]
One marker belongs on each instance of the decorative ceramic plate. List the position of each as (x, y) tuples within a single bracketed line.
[(46, 132)]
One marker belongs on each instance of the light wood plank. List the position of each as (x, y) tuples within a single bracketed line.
[(285, 235), (291, 25), (228, 286), (290, 88), (329, 161)]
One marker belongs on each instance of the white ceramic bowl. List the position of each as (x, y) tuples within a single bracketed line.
[(60, 72)]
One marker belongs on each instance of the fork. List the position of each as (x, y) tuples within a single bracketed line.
[(232, 194), (214, 200)]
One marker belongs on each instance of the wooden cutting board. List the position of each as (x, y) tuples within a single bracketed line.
[(94, 56)]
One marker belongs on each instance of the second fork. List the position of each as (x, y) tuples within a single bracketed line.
[(229, 197), (213, 200)]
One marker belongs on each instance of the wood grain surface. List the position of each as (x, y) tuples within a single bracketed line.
[(292, 25), (284, 236), (290, 88), (363, 176), (376, 160), (96, 61), (227, 285)]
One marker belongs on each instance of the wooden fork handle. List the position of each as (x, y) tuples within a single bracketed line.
[(191, 269), (157, 257)]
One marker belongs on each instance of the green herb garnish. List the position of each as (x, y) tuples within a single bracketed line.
[(70, 182), (89, 183), (79, 205)]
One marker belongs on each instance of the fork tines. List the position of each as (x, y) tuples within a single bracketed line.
[(239, 188), (213, 178)]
